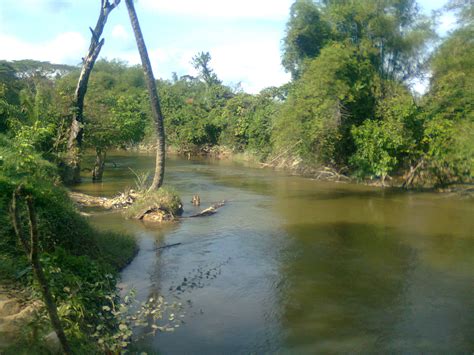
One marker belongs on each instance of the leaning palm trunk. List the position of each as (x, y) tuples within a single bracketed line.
[(154, 99), (72, 169)]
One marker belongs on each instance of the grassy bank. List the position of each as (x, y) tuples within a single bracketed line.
[(80, 262)]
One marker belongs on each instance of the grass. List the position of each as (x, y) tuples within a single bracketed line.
[(116, 249), (80, 262), (165, 198)]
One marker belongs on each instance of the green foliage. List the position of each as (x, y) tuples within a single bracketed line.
[(452, 87), (114, 109), (236, 118), (10, 88), (391, 33), (192, 109), (306, 34), (334, 93), (80, 262), (246, 123), (27, 68), (450, 150), (448, 138), (20, 161), (378, 144), (385, 144), (114, 121), (201, 62), (348, 103)]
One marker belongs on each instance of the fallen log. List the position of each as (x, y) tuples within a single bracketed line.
[(209, 211), (152, 213), (167, 246), (120, 201)]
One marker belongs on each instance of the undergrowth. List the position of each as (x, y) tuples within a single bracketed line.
[(80, 262)]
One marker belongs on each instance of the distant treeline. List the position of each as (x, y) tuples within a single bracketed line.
[(348, 106)]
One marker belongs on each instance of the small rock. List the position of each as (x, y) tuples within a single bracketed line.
[(52, 343)]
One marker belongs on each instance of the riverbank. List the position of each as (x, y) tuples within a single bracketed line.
[(81, 265), (296, 166)]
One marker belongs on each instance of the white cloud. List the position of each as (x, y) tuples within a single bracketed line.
[(120, 33), (254, 63), (269, 9), (66, 48)]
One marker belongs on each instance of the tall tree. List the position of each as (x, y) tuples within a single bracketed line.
[(154, 99), (392, 32), (306, 34), (201, 63), (449, 104), (72, 169)]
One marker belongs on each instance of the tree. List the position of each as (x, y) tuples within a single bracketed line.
[(246, 123), (348, 104), (72, 168), (391, 139), (201, 63), (10, 88), (113, 120), (335, 92), (449, 108), (32, 250), (188, 120), (193, 110), (306, 34), (26, 68), (391, 32), (154, 99), (114, 109)]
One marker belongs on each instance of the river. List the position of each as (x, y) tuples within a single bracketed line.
[(293, 265)]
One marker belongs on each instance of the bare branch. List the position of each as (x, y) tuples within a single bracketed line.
[(94, 35)]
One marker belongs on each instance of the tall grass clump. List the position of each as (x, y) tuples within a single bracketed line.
[(165, 199)]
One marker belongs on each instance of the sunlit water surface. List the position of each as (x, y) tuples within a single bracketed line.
[(293, 265)]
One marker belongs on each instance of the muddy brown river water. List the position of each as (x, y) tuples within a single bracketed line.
[(293, 265)]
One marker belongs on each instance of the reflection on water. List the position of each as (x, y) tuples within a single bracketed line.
[(298, 266)]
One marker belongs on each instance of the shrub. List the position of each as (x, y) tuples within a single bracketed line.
[(166, 198)]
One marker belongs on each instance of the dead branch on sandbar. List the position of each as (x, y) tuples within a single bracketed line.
[(209, 211)]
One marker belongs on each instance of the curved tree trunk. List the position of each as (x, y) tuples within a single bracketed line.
[(32, 251), (154, 99), (72, 168)]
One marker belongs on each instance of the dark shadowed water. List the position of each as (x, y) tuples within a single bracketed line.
[(292, 265)]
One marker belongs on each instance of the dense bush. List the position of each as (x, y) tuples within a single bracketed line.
[(80, 262)]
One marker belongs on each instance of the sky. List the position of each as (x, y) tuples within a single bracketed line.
[(243, 37)]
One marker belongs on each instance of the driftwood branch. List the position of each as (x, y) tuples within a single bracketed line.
[(32, 251), (209, 211), (413, 173), (327, 173), (281, 154), (15, 215), (167, 246)]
